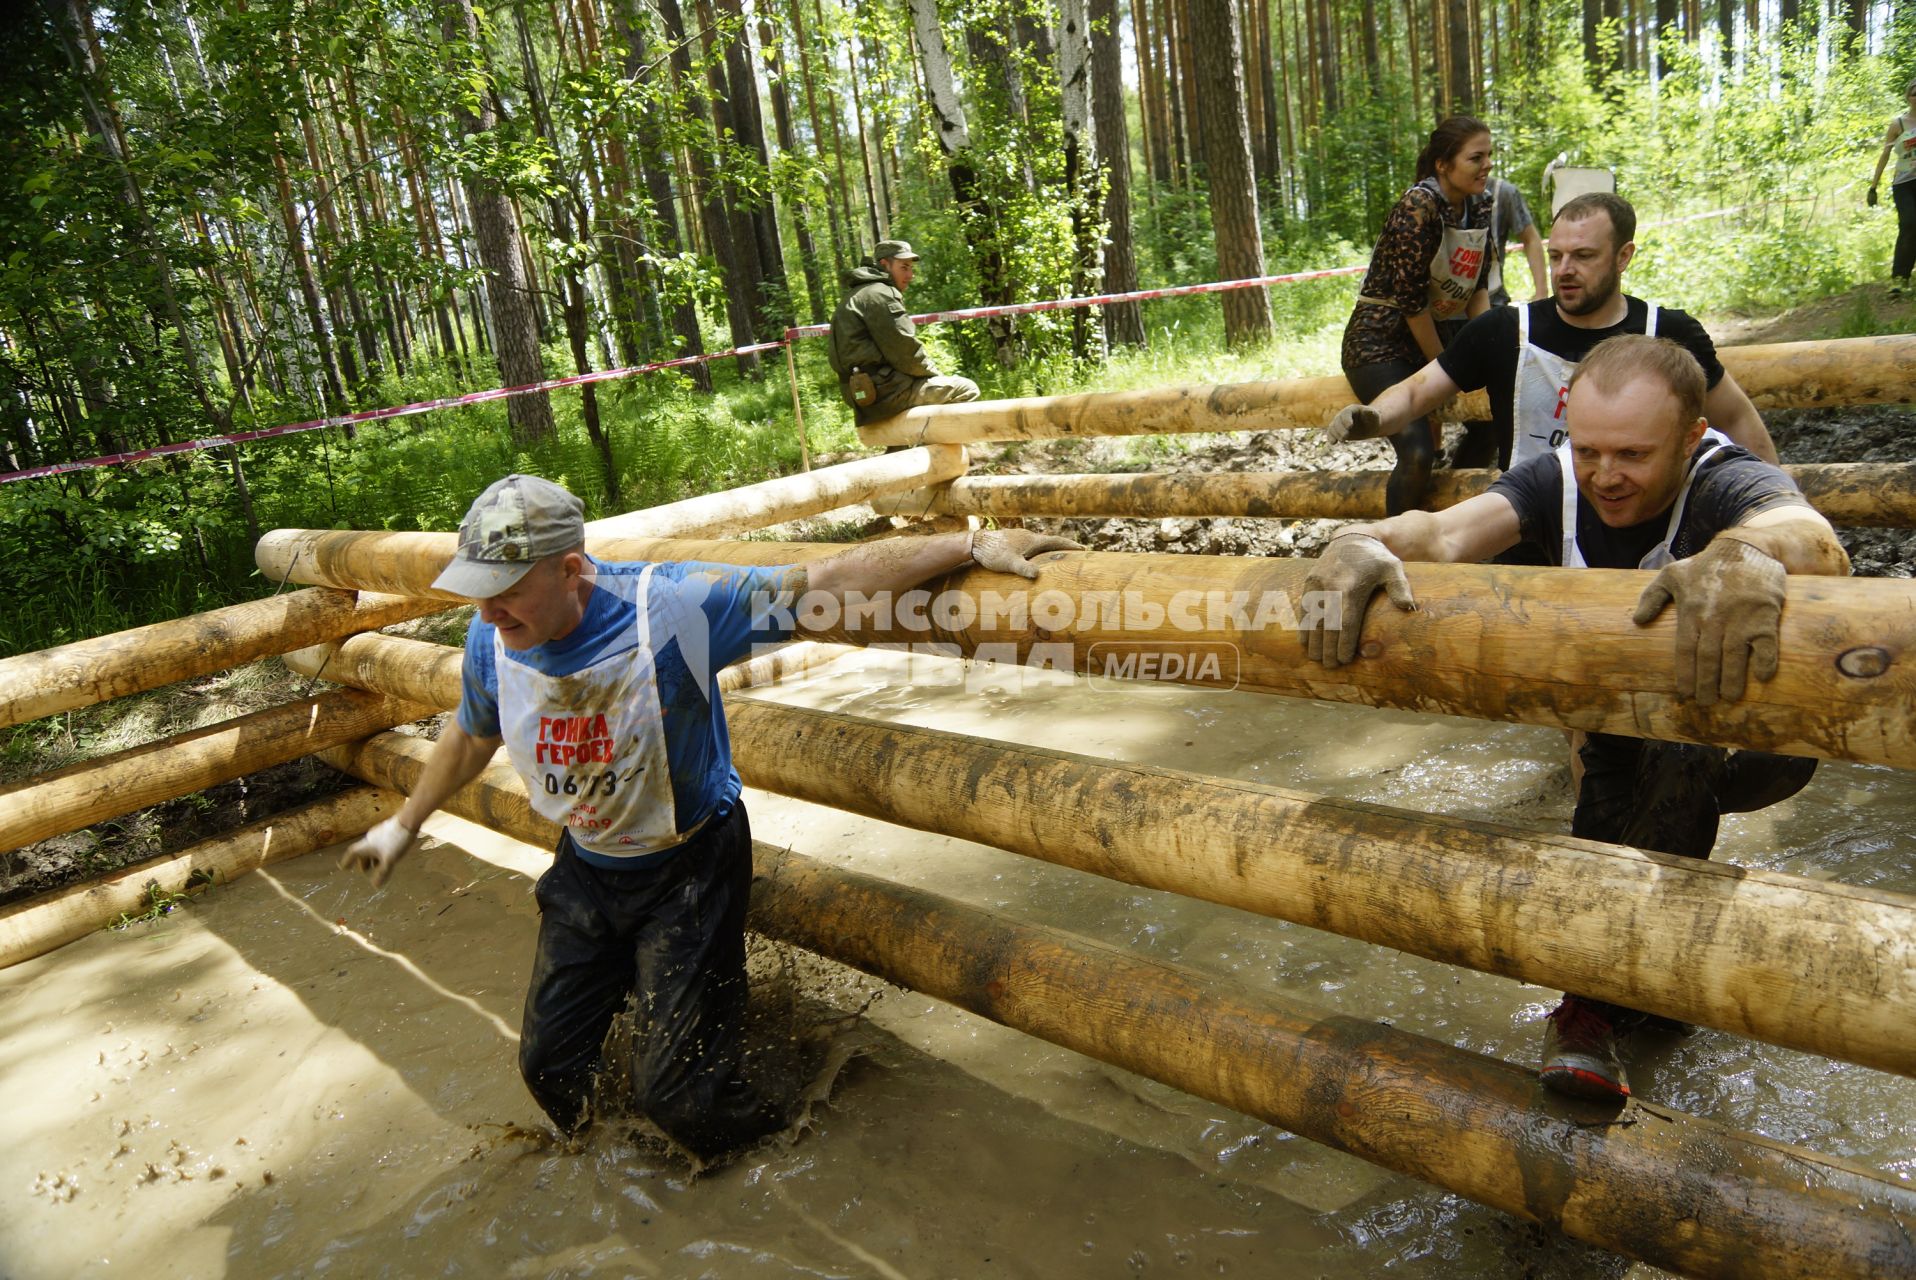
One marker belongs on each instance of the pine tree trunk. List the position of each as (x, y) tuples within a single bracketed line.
[(723, 244), (872, 205), (653, 157), (770, 41), (1463, 96), (1227, 164), (1122, 323), (833, 198), (515, 323), (741, 72)]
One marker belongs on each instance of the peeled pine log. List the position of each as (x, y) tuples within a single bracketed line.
[(1535, 646), (1878, 495), (1651, 1183), (42, 924), (1790, 375), (80, 674), (423, 672), (756, 506), (94, 790), (1802, 963)]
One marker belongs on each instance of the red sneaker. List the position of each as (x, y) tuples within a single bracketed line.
[(1580, 1053)]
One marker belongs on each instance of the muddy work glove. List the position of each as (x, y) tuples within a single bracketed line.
[(1010, 550), (1351, 569), (1355, 422), (379, 850), (1729, 605)]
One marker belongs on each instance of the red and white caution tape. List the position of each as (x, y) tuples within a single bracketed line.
[(604, 375), (373, 415), (1102, 300)]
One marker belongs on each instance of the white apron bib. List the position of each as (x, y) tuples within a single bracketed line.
[(591, 745), (1657, 556), (1541, 388), (1905, 170), (1455, 269)]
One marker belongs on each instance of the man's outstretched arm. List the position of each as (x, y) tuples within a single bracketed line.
[(899, 564), (1411, 400), (457, 758), (1363, 558)]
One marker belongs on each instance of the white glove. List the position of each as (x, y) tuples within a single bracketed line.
[(1352, 567), (1010, 550), (379, 850), (1355, 422)]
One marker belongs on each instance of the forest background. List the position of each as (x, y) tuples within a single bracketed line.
[(220, 215)]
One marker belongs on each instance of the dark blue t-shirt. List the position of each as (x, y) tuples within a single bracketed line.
[(702, 617), (1733, 485)]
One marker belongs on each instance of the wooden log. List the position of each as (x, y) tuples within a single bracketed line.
[(94, 790), (1536, 646), (755, 506), (1855, 494), (1793, 375), (423, 672), (1671, 1189), (1803, 963), (795, 659), (44, 923), (1650, 1183), (80, 674)]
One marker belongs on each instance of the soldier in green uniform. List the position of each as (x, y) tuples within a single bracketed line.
[(876, 354)]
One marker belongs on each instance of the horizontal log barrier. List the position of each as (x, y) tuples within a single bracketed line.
[(427, 673), (94, 790), (1807, 964), (1668, 1188), (1878, 495), (50, 921), (1791, 375), (755, 506), (1535, 646), (80, 674)]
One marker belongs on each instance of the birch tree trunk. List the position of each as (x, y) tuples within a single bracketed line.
[(954, 139)]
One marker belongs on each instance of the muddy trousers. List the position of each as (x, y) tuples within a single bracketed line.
[(1668, 797), (673, 935)]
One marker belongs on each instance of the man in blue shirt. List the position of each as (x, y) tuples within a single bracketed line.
[(599, 679)]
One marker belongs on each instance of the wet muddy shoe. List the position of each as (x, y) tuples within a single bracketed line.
[(1580, 1054)]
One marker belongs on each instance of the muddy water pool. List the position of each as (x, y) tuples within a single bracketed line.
[(299, 1076)]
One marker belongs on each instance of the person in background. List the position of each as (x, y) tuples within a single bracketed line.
[(1426, 278), (1900, 142), (881, 366), (1640, 482), (1526, 354), (1511, 221)]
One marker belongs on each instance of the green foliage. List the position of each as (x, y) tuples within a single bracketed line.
[(160, 902)]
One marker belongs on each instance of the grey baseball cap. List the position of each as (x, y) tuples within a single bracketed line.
[(514, 524), (893, 249)]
